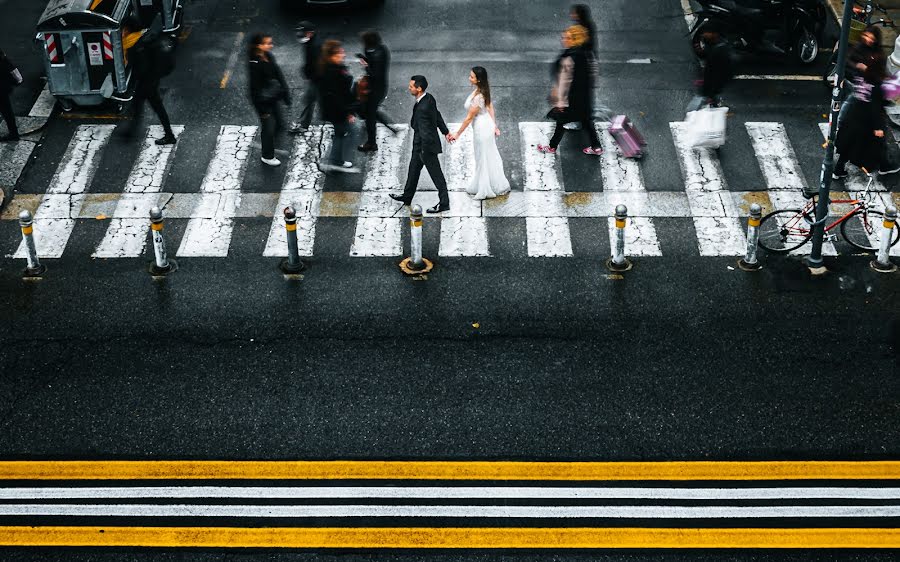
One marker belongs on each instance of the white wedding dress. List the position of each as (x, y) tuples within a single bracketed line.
[(489, 180)]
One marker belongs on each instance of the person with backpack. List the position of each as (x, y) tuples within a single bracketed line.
[(147, 57), (10, 77), (312, 50)]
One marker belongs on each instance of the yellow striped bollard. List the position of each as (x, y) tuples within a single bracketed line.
[(415, 264), (749, 261), (34, 267), (162, 265), (292, 265), (882, 261), (618, 261)]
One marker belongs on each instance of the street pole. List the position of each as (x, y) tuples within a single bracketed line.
[(814, 261)]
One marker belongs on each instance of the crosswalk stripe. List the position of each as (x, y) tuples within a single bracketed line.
[(54, 219), (378, 234), (623, 175), (126, 235), (546, 225), (209, 233), (781, 171), (302, 190), (718, 233), (461, 236), (451, 492), (461, 511)]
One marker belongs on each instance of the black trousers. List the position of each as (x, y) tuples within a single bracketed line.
[(150, 92), (270, 124), (373, 115), (586, 125), (430, 161), (6, 111), (310, 96)]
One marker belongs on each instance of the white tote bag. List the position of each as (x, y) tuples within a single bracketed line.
[(706, 127)]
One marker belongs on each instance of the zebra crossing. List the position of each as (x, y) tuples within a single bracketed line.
[(716, 211)]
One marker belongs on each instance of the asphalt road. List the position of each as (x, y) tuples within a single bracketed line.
[(505, 358)]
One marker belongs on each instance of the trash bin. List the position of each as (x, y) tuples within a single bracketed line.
[(83, 55)]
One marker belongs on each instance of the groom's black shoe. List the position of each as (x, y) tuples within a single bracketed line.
[(399, 198), (438, 209)]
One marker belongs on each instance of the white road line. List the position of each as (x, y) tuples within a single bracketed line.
[(857, 179), (475, 511), (378, 234), (546, 224), (43, 105), (462, 236), (126, 235), (718, 232), (689, 17), (781, 171), (785, 77), (13, 159), (449, 492), (621, 175), (62, 202), (302, 190), (209, 235)]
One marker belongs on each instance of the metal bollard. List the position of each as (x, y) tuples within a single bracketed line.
[(415, 264), (749, 261), (882, 261), (292, 265), (618, 261), (162, 264), (34, 268)]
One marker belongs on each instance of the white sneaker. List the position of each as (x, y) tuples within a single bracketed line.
[(347, 168), (271, 161)]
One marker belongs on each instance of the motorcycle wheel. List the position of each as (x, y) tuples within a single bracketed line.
[(806, 48)]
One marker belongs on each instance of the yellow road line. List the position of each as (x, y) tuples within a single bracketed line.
[(232, 59), (448, 470), (224, 81), (629, 537)]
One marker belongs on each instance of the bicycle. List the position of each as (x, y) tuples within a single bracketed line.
[(786, 230)]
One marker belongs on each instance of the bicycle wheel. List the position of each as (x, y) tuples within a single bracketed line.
[(863, 230), (783, 231)]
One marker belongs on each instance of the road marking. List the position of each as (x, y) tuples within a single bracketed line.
[(65, 194), (462, 511), (786, 77), (689, 18), (781, 170), (13, 159), (126, 235), (209, 235), (546, 226), (718, 232), (449, 470), (620, 174), (424, 537), (44, 104), (449, 492), (462, 236), (302, 190), (377, 234), (232, 60)]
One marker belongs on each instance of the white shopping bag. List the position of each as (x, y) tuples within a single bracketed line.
[(706, 127)]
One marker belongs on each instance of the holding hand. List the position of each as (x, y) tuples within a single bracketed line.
[(450, 137), (496, 131), (879, 133)]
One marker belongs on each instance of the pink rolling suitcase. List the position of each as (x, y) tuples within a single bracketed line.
[(627, 137)]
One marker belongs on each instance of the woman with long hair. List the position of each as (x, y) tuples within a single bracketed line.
[(267, 88), (336, 100), (489, 180)]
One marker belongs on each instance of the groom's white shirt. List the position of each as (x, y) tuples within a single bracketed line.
[(419, 98)]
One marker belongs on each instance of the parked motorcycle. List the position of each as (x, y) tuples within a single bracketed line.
[(773, 27)]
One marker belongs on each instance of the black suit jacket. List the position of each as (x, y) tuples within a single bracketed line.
[(426, 120)]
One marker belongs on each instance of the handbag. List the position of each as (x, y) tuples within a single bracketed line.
[(706, 127)]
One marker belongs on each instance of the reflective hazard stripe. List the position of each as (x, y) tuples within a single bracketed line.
[(107, 46), (52, 48)]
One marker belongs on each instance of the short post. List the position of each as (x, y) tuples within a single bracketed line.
[(162, 265), (415, 264), (292, 265), (618, 261), (34, 268), (882, 261), (749, 261)]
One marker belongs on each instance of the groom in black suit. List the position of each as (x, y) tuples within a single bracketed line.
[(426, 120)]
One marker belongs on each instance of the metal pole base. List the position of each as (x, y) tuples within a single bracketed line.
[(32, 272), (163, 271), (749, 266), (624, 266), (883, 268), (409, 268), (288, 268)]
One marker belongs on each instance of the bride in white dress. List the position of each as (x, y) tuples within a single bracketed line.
[(489, 180)]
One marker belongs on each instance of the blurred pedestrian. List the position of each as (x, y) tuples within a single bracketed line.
[(863, 53), (580, 14), (144, 56), (861, 138), (267, 88), (372, 91), (336, 98), (572, 95), (312, 50), (718, 68), (10, 77)]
